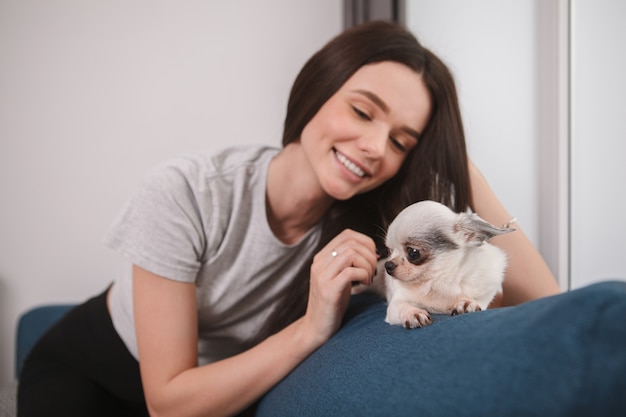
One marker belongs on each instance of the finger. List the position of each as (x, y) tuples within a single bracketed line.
[(349, 257), (327, 266), (348, 276), (349, 239), (349, 249), (350, 252), (352, 235)]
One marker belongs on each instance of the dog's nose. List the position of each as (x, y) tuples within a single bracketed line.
[(389, 267)]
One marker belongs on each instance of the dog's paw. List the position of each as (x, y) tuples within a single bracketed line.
[(415, 318), (465, 305), (407, 315)]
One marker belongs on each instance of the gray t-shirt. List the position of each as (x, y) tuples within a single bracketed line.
[(202, 218)]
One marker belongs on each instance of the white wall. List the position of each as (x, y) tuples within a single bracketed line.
[(511, 64), (491, 48), (598, 193), (93, 94)]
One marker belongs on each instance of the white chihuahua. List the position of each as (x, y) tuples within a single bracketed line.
[(439, 262)]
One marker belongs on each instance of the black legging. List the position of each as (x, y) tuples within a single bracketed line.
[(81, 367)]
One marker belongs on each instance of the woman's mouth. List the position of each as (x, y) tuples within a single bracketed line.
[(350, 166)]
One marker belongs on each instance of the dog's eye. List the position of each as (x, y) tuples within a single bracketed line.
[(412, 253)]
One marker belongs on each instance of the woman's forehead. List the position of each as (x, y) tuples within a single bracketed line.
[(396, 89)]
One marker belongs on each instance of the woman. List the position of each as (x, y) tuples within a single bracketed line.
[(242, 262)]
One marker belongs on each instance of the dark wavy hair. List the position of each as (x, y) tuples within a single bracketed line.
[(436, 169)]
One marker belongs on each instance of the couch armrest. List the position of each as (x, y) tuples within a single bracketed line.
[(31, 326)]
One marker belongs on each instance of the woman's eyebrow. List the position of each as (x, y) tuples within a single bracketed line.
[(383, 106), (375, 99), (413, 133)]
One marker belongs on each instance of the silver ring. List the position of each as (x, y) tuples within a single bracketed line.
[(334, 254)]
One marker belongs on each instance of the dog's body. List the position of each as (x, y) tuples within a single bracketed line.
[(439, 262)]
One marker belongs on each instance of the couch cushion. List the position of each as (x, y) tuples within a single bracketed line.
[(559, 356)]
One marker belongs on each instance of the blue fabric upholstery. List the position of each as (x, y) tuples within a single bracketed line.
[(31, 326), (559, 356)]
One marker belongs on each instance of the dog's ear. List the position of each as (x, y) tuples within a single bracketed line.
[(475, 230)]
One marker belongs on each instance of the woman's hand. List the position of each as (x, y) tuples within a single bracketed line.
[(166, 323), (349, 257)]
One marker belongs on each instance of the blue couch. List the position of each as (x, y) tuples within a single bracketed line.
[(30, 326), (559, 356)]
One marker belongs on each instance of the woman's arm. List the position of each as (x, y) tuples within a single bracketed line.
[(527, 275), (166, 325)]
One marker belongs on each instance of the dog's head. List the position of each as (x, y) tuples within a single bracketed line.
[(427, 233)]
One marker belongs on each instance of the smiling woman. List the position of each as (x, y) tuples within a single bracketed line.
[(367, 126), (241, 262)]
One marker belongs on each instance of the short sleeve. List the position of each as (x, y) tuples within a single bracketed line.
[(160, 228)]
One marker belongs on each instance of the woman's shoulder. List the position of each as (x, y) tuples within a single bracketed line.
[(210, 163), (241, 156), (198, 168)]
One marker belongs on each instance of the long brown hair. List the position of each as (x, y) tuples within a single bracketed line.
[(436, 169)]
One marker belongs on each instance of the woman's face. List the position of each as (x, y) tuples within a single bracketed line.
[(360, 137)]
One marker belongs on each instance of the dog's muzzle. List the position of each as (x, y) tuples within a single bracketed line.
[(389, 267)]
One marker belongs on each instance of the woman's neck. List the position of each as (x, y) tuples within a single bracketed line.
[(295, 201)]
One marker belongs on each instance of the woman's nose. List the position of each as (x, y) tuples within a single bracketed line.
[(373, 144)]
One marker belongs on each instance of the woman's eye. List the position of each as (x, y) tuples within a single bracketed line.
[(361, 114), (397, 144)]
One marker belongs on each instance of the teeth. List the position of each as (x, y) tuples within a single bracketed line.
[(348, 164)]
